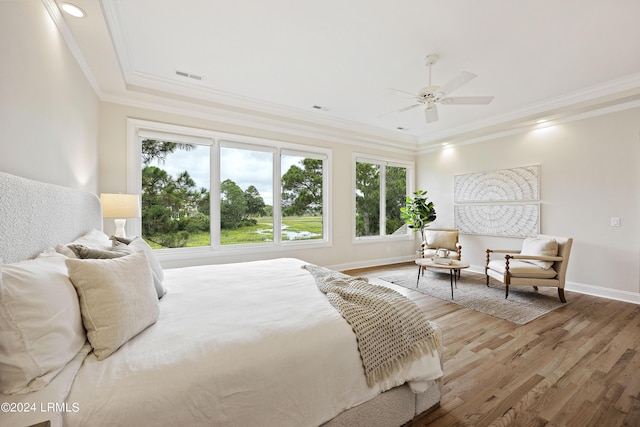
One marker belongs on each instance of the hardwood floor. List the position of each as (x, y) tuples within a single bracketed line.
[(576, 366)]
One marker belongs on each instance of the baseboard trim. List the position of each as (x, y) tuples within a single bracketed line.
[(599, 291)]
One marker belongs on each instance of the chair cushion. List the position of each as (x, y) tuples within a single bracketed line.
[(441, 239), (522, 269), (430, 253), (539, 246)]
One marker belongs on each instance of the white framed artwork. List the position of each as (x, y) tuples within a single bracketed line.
[(498, 203), (506, 220), (515, 184)]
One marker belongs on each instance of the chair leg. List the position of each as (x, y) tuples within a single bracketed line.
[(506, 291), (561, 295)]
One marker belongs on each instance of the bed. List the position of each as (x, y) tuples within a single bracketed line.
[(252, 343)]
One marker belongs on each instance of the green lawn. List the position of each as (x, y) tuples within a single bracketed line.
[(294, 228)]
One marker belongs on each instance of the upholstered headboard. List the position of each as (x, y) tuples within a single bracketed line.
[(35, 216)]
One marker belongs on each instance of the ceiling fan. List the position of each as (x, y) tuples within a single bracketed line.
[(432, 95)]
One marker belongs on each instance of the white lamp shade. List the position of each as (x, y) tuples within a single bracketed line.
[(120, 205)]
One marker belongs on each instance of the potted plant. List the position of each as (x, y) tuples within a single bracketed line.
[(418, 212)]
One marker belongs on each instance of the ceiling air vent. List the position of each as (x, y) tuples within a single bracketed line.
[(188, 75)]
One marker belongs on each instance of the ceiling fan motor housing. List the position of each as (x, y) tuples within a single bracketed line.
[(429, 92)]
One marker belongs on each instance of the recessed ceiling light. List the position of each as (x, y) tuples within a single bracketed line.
[(73, 10), (541, 121)]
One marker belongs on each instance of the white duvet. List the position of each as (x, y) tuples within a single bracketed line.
[(241, 345)]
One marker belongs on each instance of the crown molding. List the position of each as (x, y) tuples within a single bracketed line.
[(263, 123), (570, 101), (529, 126)]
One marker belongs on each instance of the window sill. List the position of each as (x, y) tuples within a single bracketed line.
[(181, 254)]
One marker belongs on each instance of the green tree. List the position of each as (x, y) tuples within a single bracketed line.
[(233, 205), (160, 206), (172, 208), (159, 150), (302, 188), (396, 192), (255, 202), (204, 202), (367, 199)]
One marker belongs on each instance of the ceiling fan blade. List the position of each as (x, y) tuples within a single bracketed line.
[(461, 79), (431, 113), (467, 100), (402, 93), (402, 110)]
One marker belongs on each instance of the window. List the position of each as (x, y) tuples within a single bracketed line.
[(202, 189), (380, 191), (302, 197), (246, 196), (175, 193)]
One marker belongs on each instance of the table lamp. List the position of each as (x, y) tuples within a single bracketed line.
[(120, 207)]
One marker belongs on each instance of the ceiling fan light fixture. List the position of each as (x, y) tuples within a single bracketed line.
[(431, 95)]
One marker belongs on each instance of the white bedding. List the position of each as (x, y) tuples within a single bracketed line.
[(243, 344)]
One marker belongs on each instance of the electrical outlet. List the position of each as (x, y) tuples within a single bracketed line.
[(615, 222)]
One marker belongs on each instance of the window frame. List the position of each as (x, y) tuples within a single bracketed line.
[(138, 129), (383, 162)]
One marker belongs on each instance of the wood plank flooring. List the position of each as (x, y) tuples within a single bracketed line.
[(576, 366)]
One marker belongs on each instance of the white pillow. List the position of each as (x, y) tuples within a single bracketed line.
[(436, 239), (93, 239), (538, 246), (40, 324), (117, 299)]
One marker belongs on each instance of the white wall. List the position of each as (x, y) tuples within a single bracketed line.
[(48, 110), (589, 173)]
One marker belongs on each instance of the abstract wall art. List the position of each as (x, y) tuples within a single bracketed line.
[(516, 184), (508, 220), (498, 203)]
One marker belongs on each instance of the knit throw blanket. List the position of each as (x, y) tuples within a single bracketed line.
[(390, 329)]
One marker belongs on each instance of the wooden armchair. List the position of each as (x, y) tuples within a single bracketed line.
[(541, 262), (441, 238)]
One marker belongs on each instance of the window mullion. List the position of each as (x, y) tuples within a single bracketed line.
[(383, 200), (214, 196), (277, 199)]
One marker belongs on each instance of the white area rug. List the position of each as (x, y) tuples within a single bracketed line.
[(523, 305)]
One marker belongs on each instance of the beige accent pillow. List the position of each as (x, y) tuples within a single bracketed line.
[(139, 244), (538, 246), (40, 324), (441, 239), (117, 299)]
